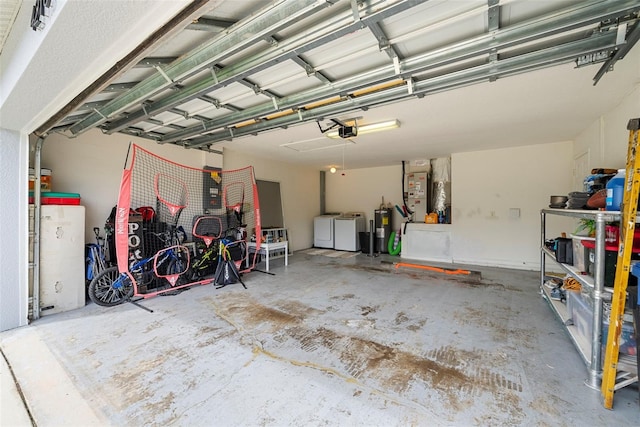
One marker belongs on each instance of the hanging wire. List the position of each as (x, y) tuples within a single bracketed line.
[(343, 148)]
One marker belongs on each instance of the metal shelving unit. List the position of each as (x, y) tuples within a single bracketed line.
[(591, 352)]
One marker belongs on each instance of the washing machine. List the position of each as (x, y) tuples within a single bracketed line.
[(323, 230), (346, 229)]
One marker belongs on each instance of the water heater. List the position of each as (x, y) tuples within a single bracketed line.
[(383, 219)]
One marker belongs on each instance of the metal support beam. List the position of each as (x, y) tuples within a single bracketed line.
[(182, 113), (268, 21), (572, 17), (218, 104), (155, 61), (160, 123), (208, 24), (177, 23), (119, 87), (314, 37), (542, 26), (512, 66), (310, 70), (493, 25), (631, 39), (449, 67), (87, 107), (493, 15), (69, 120), (257, 89), (355, 11), (383, 41)]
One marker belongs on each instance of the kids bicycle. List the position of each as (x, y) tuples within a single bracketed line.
[(165, 268)]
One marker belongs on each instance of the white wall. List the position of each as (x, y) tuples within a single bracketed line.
[(487, 184), (607, 138), (92, 165), (362, 190), (299, 189), (14, 230)]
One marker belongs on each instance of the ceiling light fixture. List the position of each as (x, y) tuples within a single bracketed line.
[(365, 129), (333, 169)]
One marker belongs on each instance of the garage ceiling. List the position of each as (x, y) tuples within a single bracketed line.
[(8, 11), (272, 78)]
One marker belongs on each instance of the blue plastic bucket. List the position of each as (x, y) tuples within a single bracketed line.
[(615, 191)]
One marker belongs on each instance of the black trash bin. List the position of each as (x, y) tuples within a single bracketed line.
[(363, 236)]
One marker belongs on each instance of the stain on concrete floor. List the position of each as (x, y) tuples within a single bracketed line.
[(448, 372), (331, 344)]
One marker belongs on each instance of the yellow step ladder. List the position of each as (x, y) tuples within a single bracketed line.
[(623, 267)]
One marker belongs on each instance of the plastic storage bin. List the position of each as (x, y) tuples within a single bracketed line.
[(581, 313), (51, 198), (580, 253), (635, 271), (627, 342)]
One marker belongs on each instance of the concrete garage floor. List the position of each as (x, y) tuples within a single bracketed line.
[(324, 341)]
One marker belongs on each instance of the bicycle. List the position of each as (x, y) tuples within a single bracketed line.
[(217, 247), (205, 262), (110, 287), (96, 260), (207, 228)]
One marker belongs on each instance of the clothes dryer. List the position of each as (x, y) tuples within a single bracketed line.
[(346, 229), (323, 233)]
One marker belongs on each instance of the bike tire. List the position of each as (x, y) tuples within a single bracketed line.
[(110, 288), (179, 266), (204, 265)]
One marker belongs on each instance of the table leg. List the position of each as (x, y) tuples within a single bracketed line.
[(266, 252), (286, 254)]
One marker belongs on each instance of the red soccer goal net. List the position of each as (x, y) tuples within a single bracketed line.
[(175, 225)]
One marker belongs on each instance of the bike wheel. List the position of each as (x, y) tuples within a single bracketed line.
[(204, 265), (110, 288), (180, 266)]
